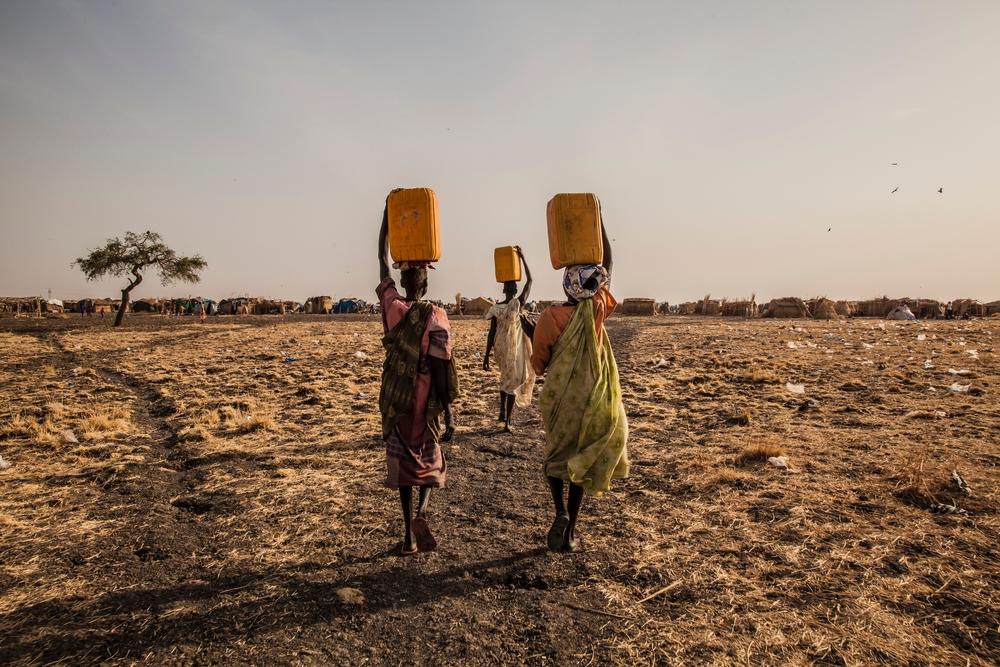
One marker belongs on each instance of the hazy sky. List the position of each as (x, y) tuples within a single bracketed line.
[(723, 138)]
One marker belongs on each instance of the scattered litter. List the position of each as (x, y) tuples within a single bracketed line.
[(792, 345), (811, 344), (928, 364), (77, 370), (959, 388), (867, 346), (925, 414), (4, 463), (780, 462), (795, 388), (69, 437), (944, 508), (808, 404), (963, 371), (922, 337), (973, 353), (361, 394), (960, 482), (350, 596), (931, 389), (660, 363), (360, 355), (288, 360)]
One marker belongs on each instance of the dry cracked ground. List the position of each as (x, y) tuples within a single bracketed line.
[(179, 493)]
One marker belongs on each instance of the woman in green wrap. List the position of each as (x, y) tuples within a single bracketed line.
[(581, 402)]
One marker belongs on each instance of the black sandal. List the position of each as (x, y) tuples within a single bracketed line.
[(557, 533)]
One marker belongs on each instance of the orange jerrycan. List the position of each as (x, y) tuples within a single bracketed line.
[(575, 230), (507, 264), (414, 234)]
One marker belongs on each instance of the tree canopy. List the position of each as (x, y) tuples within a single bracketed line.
[(136, 253)]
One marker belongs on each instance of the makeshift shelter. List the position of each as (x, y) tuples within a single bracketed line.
[(146, 306), (319, 305), (845, 308), (901, 312), (349, 306), (967, 308), (788, 307), (739, 308), (638, 307), (928, 309), (824, 309), (708, 306), (663, 308), (992, 308), (687, 308), (478, 306), (103, 306), (875, 307)]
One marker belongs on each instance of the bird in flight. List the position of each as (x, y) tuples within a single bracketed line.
[(894, 190), (828, 229), (940, 191), (895, 164)]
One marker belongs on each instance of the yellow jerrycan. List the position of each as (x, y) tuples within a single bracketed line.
[(574, 230), (414, 233), (507, 264)]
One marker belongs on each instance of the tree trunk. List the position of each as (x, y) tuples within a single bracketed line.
[(124, 304), (121, 308)]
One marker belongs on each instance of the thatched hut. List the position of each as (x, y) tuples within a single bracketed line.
[(478, 306), (687, 308), (968, 308), (147, 305), (788, 307), (876, 307), (319, 305), (824, 309), (638, 307), (845, 308), (739, 308), (708, 306)]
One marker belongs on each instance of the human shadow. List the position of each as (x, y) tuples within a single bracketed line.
[(135, 621)]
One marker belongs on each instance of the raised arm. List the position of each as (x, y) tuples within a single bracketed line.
[(526, 292), (383, 245), (608, 261)]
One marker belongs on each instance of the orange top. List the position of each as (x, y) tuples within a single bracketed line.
[(554, 320)]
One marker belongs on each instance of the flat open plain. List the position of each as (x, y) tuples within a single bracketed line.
[(226, 482)]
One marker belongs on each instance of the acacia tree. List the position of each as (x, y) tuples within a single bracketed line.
[(133, 256)]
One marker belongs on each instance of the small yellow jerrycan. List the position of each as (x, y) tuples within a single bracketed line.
[(507, 263)]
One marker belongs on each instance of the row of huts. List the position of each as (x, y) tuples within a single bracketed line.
[(827, 309)]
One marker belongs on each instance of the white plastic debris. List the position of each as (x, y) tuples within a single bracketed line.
[(4, 463), (360, 355), (921, 336), (973, 353), (792, 345), (795, 388), (960, 482), (660, 363), (959, 388), (961, 371), (944, 508), (778, 461), (928, 364), (867, 346)]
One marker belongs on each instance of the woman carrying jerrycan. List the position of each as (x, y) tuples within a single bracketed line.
[(581, 401), (419, 382)]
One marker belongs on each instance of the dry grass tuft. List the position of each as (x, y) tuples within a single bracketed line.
[(758, 453)]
